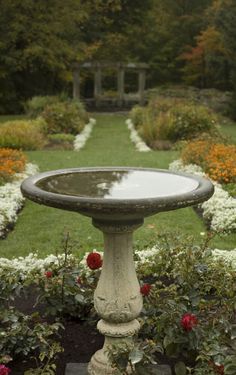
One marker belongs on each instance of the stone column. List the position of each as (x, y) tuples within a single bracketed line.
[(117, 298), (97, 85), (141, 85), (121, 85), (76, 83)]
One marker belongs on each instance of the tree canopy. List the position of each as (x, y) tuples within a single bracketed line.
[(191, 41)]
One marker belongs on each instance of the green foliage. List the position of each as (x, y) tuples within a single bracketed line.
[(65, 117), (184, 278), (231, 188), (21, 334), (189, 280), (225, 21), (186, 121), (24, 335), (22, 134), (136, 358), (61, 138), (35, 106), (37, 52), (45, 365), (173, 120), (62, 293), (136, 115)]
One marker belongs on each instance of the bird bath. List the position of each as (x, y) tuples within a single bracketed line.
[(117, 200)]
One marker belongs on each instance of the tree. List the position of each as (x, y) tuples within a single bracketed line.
[(206, 63), (34, 45), (41, 39)]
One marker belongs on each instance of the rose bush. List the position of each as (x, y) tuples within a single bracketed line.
[(4, 370), (188, 316)]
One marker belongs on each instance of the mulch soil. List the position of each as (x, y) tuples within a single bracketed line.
[(79, 340)]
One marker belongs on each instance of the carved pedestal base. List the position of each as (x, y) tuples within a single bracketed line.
[(115, 334)]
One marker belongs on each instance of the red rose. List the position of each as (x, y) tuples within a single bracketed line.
[(48, 274), (145, 289), (188, 321), (94, 261), (219, 369), (4, 370), (79, 280)]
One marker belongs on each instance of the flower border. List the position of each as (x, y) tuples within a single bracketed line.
[(31, 263), (220, 209), (81, 139), (11, 199), (135, 138)]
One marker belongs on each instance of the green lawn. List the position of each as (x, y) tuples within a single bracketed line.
[(229, 130), (41, 228)]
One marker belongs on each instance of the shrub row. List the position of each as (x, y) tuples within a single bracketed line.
[(57, 116), (173, 120)]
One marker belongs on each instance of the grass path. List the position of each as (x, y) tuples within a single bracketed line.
[(41, 228)]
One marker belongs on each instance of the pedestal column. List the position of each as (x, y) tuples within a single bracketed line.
[(121, 85), (117, 298), (141, 85), (97, 85), (76, 84)]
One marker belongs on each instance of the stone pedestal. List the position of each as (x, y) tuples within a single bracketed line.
[(117, 298), (81, 369), (97, 86), (121, 85), (76, 84), (141, 85)]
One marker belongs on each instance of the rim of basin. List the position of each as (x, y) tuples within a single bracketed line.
[(143, 206)]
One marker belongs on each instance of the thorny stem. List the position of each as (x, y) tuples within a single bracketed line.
[(66, 252)]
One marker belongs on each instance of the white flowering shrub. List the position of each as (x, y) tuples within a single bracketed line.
[(136, 139), (81, 139), (220, 209), (11, 199)]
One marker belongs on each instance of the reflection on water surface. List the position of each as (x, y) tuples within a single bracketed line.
[(133, 184)]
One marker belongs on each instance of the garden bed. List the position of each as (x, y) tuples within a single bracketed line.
[(79, 340), (186, 307)]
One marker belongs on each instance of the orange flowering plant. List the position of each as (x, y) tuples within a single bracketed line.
[(216, 159), (11, 162)]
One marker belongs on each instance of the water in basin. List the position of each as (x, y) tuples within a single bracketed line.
[(126, 184)]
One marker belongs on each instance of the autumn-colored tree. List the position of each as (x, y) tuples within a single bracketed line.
[(169, 25), (206, 63)]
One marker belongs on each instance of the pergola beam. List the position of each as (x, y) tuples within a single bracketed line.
[(97, 67)]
